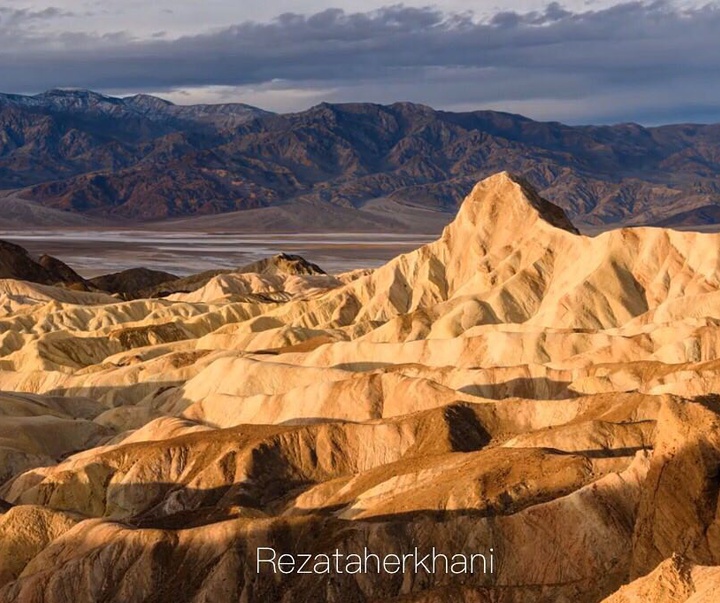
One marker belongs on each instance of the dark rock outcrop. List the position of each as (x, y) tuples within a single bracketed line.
[(16, 263), (130, 283)]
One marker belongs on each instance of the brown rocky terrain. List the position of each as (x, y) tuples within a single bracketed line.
[(76, 155), (513, 385)]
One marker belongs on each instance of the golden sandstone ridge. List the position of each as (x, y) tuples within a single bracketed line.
[(512, 386)]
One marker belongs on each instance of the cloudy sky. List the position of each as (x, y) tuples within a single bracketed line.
[(583, 61)]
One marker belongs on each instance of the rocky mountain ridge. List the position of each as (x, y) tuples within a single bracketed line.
[(68, 100), (142, 159)]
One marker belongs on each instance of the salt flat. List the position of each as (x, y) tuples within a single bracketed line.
[(92, 252)]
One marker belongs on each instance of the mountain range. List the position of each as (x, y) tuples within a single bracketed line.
[(76, 155)]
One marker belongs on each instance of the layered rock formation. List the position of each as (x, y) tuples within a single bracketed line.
[(512, 386)]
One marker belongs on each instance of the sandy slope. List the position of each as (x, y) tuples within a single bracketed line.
[(512, 385)]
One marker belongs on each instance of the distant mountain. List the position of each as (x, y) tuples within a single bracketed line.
[(72, 101), (61, 134), (142, 158)]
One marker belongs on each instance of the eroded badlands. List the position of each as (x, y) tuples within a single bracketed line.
[(512, 385)]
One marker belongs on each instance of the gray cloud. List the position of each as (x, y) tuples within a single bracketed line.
[(21, 16), (640, 61), (18, 24)]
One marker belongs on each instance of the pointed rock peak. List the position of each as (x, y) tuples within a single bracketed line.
[(283, 263), (505, 197)]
